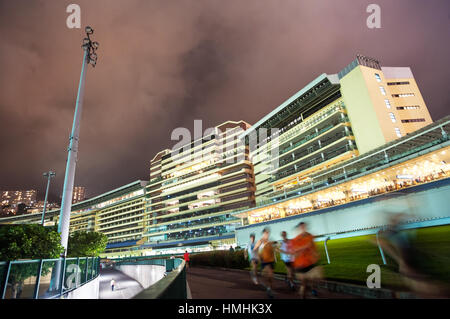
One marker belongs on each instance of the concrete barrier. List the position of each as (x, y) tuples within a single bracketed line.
[(172, 286), (89, 290), (146, 275)]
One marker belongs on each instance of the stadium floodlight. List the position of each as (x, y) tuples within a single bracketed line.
[(89, 30), (49, 175), (89, 57)]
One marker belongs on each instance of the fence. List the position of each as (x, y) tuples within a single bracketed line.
[(45, 278)]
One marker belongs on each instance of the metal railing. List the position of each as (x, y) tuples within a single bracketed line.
[(45, 278)]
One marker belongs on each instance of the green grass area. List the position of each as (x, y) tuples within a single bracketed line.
[(350, 257)]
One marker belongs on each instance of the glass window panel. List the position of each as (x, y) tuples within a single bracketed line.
[(22, 280), (49, 285)]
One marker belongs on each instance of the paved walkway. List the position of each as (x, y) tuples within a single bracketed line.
[(207, 283), (125, 287)]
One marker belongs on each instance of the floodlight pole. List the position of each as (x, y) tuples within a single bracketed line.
[(89, 57), (49, 175)]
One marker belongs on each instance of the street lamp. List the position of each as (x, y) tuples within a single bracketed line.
[(89, 57), (49, 175)]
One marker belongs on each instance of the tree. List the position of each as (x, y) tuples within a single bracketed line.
[(86, 244), (31, 241)]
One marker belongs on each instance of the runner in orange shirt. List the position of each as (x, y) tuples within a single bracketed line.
[(266, 250), (306, 258)]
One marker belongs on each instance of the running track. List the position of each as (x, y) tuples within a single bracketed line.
[(207, 283)]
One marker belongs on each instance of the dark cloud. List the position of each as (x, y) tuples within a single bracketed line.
[(163, 64)]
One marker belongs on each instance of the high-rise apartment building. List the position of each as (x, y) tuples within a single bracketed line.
[(27, 197), (194, 188), (79, 194)]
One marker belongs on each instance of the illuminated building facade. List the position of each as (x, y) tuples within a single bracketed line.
[(194, 189), (11, 199), (27, 197), (119, 214), (353, 195), (79, 194), (333, 119)]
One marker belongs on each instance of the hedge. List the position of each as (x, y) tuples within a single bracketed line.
[(220, 258)]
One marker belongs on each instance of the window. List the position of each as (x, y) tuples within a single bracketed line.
[(397, 131), (413, 120), (382, 90), (412, 107), (392, 116), (377, 76), (403, 95), (398, 83), (388, 104)]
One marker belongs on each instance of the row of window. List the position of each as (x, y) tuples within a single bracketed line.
[(383, 92), (413, 120), (412, 107), (398, 83), (403, 95), (393, 119), (378, 78)]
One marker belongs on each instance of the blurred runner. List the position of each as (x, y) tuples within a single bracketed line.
[(267, 256), (412, 262), (306, 258), (252, 257), (287, 258), (113, 283)]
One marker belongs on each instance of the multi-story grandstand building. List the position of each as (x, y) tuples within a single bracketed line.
[(333, 119), (194, 189), (409, 175)]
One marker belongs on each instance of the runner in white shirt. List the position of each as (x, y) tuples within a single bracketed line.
[(252, 257)]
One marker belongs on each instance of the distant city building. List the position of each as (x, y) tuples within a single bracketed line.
[(10, 201), (79, 194), (27, 197)]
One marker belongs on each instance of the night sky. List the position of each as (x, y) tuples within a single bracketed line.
[(163, 64)]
